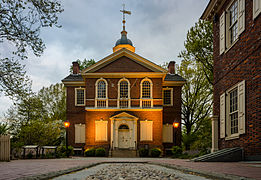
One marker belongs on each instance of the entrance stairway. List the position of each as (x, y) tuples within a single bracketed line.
[(124, 153), (224, 155)]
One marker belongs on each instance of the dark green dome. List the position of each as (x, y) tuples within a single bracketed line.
[(123, 39)]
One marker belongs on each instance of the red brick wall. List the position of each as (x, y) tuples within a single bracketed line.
[(125, 64), (173, 113), (241, 62), (155, 116)]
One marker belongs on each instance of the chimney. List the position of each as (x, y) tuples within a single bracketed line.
[(171, 67), (76, 67)]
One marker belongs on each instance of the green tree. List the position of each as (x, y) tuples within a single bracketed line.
[(54, 101), (196, 100), (199, 47), (20, 25), (45, 111), (3, 128), (83, 64)]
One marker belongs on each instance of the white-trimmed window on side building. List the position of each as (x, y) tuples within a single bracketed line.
[(231, 24), (146, 93), (101, 98), (232, 112), (123, 93), (79, 96), (167, 96)]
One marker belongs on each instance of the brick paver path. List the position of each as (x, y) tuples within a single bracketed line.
[(23, 168), (250, 170)]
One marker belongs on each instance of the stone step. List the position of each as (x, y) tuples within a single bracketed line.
[(228, 154), (123, 153)]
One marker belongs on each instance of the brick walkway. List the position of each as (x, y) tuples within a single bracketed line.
[(24, 168)]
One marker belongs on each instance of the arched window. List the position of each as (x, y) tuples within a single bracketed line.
[(101, 99), (123, 93), (146, 89), (101, 89), (146, 93)]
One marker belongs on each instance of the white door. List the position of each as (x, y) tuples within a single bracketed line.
[(124, 137)]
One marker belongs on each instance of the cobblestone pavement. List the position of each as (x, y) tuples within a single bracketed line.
[(129, 171)]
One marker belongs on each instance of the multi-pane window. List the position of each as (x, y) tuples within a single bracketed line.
[(233, 110), (123, 101), (124, 89), (167, 96), (233, 26), (146, 89), (79, 96), (101, 92)]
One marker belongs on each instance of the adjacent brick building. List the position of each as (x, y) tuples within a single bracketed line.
[(237, 74), (124, 101)]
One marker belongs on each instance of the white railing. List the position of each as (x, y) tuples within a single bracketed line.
[(4, 147), (101, 103), (145, 103), (123, 103)]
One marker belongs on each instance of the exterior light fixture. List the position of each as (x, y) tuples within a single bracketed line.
[(67, 125)]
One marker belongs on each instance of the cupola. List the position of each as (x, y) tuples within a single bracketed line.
[(124, 42)]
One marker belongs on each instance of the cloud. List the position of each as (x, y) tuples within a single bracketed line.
[(90, 29)]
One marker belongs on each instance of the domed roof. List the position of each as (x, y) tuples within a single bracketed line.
[(123, 39)]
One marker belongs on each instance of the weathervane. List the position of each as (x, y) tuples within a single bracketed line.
[(123, 14)]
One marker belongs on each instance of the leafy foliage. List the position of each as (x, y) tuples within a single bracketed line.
[(143, 152), (100, 152), (155, 152), (90, 152), (3, 128), (196, 100), (20, 25), (199, 47), (176, 151), (83, 64), (38, 118), (62, 151)]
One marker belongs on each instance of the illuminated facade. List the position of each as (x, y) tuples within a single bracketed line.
[(124, 101)]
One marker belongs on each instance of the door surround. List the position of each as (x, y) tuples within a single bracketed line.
[(123, 118)]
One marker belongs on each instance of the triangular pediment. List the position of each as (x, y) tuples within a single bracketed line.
[(124, 61), (124, 115)]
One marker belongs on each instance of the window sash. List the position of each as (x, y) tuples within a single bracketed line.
[(146, 89), (167, 97), (233, 111)]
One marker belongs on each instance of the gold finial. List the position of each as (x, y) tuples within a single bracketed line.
[(123, 15)]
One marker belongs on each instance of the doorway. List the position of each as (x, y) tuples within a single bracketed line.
[(124, 136)]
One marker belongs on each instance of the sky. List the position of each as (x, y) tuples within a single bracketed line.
[(90, 29)]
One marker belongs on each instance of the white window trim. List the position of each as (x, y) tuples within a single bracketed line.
[(141, 89), (75, 95), (228, 122), (225, 39), (228, 135), (129, 99), (256, 8), (171, 96), (96, 92)]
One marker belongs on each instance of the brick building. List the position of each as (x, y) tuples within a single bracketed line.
[(124, 101), (237, 75)]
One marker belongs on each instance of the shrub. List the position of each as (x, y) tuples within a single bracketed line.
[(61, 151), (143, 152), (90, 152), (100, 152), (176, 151), (155, 152), (29, 155)]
